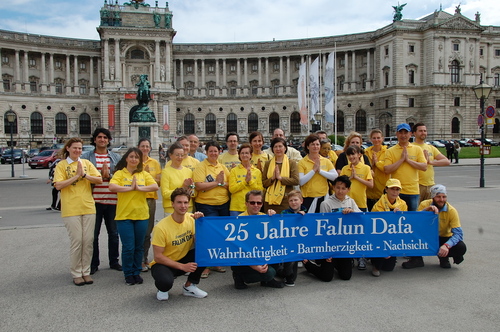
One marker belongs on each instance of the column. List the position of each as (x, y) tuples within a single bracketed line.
[(157, 77), (43, 78), (267, 77), (106, 59), (52, 88), (353, 80), (26, 72), (261, 85), (203, 81), (67, 82), (181, 77), (224, 78), (288, 78), (346, 71), (91, 76), (168, 68), (124, 74), (368, 70), (245, 75), (238, 73), (118, 74), (1, 85), (195, 69), (75, 76), (17, 73), (217, 78), (281, 77), (99, 72)]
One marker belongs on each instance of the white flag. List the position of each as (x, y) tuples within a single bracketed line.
[(314, 88), (330, 88), (301, 93)]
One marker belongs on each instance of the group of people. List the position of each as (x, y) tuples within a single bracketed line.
[(244, 181)]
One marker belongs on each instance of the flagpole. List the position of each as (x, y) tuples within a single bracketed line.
[(335, 91)]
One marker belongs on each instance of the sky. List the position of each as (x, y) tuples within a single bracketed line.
[(215, 21)]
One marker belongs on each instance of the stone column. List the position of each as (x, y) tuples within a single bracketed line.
[(43, 78), (106, 59), (67, 82), (245, 76), (353, 80), (368, 70), (168, 68), (26, 72), (224, 78), (157, 77), (1, 85), (261, 84), (52, 87), (118, 67), (91, 76), (238, 76), (346, 71), (281, 77), (196, 86), (75, 76), (217, 78), (267, 77), (99, 72), (203, 81), (17, 73)]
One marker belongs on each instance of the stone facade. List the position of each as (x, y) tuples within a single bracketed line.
[(409, 71)]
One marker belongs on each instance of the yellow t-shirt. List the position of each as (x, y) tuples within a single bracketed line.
[(407, 175), (383, 204), (358, 190), (318, 185), (229, 160), (206, 172), (154, 170), (239, 187), (379, 176), (172, 179), (76, 199), (332, 156), (188, 162), (447, 219), (263, 157), (132, 205), (246, 214), (427, 178), (176, 238)]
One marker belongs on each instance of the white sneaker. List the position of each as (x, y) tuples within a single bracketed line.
[(194, 291), (162, 296)]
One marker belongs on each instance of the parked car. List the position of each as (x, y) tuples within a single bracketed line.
[(44, 159), (33, 152), (19, 157), (489, 141), (118, 148), (88, 148), (437, 144), (474, 142), (464, 143)]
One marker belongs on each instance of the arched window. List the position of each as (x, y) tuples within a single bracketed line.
[(189, 124), (274, 121), (7, 125), (455, 126), (36, 123), (455, 72), (295, 123), (496, 126), (232, 123), (360, 121), (210, 123), (253, 122), (340, 122), (387, 130), (137, 54), (84, 121), (61, 124)]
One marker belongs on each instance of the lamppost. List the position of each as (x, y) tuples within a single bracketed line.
[(482, 92), (11, 118)]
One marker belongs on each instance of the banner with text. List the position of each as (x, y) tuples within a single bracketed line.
[(254, 240)]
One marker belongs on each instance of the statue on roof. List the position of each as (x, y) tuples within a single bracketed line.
[(398, 12), (478, 18), (136, 3), (458, 10)]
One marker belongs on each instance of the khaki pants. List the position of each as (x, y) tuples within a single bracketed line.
[(81, 235), (425, 192)]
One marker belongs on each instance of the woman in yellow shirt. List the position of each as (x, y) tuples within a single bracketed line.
[(132, 183), (152, 166), (376, 155), (259, 157)]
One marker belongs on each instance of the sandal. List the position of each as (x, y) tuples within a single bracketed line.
[(219, 269), (205, 274)]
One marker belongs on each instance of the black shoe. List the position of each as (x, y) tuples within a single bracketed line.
[(413, 262), (138, 279), (289, 282), (116, 267), (273, 283), (458, 259), (239, 283), (49, 208), (130, 280), (444, 262), (93, 269)]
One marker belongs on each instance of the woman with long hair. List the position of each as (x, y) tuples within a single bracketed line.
[(74, 178), (132, 184), (354, 138), (259, 157), (152, 166), (279, 175)]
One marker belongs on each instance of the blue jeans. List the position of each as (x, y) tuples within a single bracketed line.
[(132, 233), (106, 212), (213, 210), (235, 213), (411, 200)]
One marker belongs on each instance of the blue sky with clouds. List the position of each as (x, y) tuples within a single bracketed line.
[(211, 21)]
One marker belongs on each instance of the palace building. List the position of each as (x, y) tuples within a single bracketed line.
[(409, 71)]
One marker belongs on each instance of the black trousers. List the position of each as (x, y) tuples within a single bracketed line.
[(384, 264), (324, 270), (164, 276), (457, 251)]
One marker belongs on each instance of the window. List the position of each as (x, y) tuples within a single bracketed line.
[(341, 83), (210, 123), (497, 52), (295, 123), (254, 87), (481, 51), (276, 66), (340, 122), (61, 124), (83, 89), (85, 127), (232, 88), (59, 88), (456, 47), (83, 65), (342, 62), (386, 79), (189, 69), (189, 88), (386, 50), (456, 101), (297, 66), (496, 126), (411, 77), (455, 72), (232, 123), (274, 121), (253, 122), (211, 68), (496, 79), (360, 121), (58, 64), (6, 85), (254, 67), (32, 62), (411, 102), (455, 126), (137, 54), (275, 87), (6, 128), (33, 86), (5, 59), (36, 122), (211, 88), (387, 103), (411, 48), (497, 101), (189, 124), (232, 68)]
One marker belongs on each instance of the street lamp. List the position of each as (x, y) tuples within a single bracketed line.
[(482, 92), (11, 118)]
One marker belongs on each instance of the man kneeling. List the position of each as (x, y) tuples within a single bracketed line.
[(244, 275), (173, 238)]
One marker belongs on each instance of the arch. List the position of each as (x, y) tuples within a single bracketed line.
[(360, 121), (232, 123), (189, 123), (61, 124), (210, 122), (295, 123), (385, 122), (496, 126), (7, 125), (253, 122), (274, 121), (36, 123), (340, 122), (455, 125), (84, 124)]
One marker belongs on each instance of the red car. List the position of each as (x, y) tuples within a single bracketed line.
[(474, 142), (43, 159)]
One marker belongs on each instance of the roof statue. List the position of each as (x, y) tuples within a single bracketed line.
[(136, 3), (398, 15), (458, 10)]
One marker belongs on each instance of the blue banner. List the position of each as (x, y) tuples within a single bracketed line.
[(253, 240)]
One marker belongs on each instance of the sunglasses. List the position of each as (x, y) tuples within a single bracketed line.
[(255, 203)]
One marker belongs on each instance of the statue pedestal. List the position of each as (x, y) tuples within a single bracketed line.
[(148, 130)]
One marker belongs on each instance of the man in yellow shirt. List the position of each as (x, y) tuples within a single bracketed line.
[(403, 161), (230, 158), (291, 152), (433, 157), (173, 238)]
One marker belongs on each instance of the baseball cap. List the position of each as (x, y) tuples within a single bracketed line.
[(393, 183), (404, 126)]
